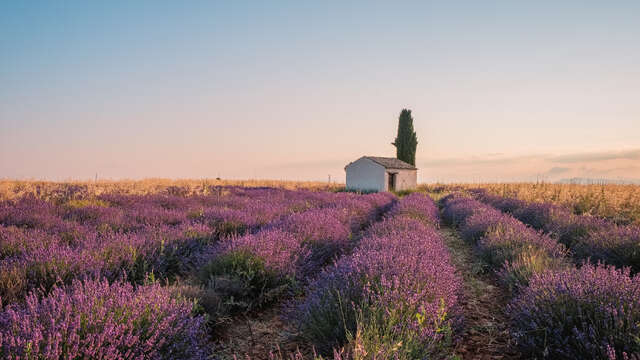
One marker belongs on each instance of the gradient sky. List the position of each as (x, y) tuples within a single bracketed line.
[(500, 90)]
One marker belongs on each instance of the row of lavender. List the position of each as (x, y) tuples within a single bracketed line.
[(100, 318), (42, 244), (559, 310), (392, 297), (588, 237)]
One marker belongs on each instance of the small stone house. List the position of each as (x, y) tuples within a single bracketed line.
[(373, 173)]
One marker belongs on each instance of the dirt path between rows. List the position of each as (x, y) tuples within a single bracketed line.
[(484, 333), (258, 335)]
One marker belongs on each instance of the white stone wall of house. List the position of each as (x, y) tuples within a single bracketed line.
[(405, 179), (366, 175)]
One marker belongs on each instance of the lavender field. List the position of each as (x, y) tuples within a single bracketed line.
[(177, 274)]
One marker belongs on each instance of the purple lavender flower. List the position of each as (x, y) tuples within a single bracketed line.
[(583, 313), (93, 319)]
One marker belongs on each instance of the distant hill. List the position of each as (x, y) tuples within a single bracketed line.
[(590, 181)]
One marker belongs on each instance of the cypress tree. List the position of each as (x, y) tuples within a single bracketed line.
[(406, 140)]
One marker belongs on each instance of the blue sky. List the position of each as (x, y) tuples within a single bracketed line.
[(500, 90)]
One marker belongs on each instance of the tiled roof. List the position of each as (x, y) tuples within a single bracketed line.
[(391, 163)]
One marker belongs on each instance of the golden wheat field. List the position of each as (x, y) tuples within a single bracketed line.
[(11, 189)]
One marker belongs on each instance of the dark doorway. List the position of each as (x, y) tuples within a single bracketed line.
[(392, 181)]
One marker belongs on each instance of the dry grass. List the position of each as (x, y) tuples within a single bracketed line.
[(10, 189), (620, 203)]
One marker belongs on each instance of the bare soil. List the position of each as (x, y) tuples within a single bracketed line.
[(484, 333), (258, 335)]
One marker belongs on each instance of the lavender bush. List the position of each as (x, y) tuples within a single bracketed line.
[(618, 246), (587, 313), (96, 320), (254, 270), (322, 232)]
